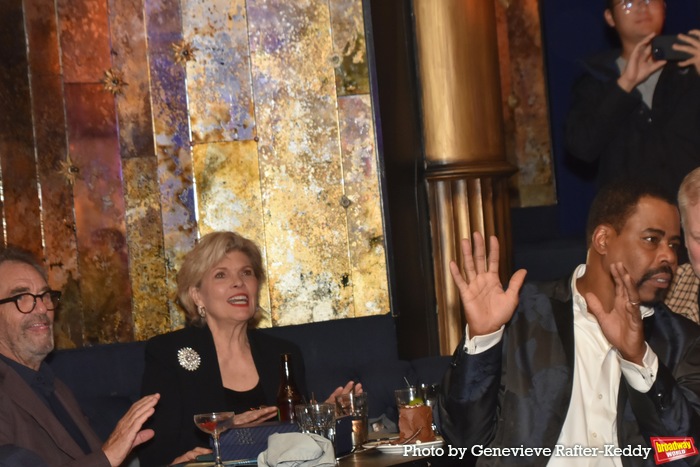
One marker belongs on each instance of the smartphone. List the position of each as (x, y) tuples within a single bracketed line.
[(661, 48)]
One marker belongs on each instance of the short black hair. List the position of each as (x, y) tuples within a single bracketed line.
[(616, 202)]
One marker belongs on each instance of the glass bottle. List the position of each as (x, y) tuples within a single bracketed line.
[(288, 394)]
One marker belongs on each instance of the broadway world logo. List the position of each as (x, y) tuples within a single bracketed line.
[(667, 449)]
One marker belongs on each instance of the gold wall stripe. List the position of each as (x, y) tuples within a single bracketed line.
[(349, 56), (524, 97), (171, 137), (229, 196), (218, 81), (364, 210), (145, 246), (306, 237)]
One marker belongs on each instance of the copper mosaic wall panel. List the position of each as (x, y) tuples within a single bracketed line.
[(138, 125)]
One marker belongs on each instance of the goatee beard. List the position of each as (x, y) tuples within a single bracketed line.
[(659, 294)]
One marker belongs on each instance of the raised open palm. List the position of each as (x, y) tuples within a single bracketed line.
[(486, 305), (622, 326)]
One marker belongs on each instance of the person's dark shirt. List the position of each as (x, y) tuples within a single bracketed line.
[(243, 401)]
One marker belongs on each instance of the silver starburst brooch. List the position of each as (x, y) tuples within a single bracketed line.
[(189, 359)]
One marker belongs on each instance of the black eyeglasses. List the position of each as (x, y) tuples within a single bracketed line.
[(26, 302)]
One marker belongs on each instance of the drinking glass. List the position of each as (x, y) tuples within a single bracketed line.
[(354, 405), (407, 397), (214, 423), (316, 418)]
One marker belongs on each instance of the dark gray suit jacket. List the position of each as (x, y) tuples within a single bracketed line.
[(518, 392), (26, 422)]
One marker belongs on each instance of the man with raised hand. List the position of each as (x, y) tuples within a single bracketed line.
[(583, 366)]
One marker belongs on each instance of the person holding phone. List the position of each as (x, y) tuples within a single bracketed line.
[(637, 117)]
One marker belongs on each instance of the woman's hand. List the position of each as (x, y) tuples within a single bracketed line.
[(350, 386), (259, 415), (190, 456)]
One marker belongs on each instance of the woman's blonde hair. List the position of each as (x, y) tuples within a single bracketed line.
[(209, 251)]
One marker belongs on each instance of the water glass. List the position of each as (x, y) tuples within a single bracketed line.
[(407, 396), (316, 418), (354, 405)]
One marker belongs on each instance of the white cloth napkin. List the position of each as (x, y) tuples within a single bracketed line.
[(297, 450)]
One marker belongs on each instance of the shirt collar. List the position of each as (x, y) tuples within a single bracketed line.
[(41, 380), (580, 302)]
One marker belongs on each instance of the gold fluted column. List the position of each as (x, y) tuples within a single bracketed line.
[(466, 163)]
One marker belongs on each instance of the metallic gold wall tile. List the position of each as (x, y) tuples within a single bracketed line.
[(349, 56), (145, 246), (171, 136), (219, 80), (288, 194), (305, 225), (129, 55), (364, 211), (229, 195), (526, 113), (99, 208), (84, 36), (228, 188), (20, 193)]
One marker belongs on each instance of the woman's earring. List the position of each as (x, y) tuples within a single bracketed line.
[(202, 311)]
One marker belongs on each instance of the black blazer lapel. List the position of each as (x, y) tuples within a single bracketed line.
[(564, 319), (205, 384)]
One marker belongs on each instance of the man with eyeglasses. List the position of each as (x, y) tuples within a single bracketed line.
[(635, 116), (38, 414)]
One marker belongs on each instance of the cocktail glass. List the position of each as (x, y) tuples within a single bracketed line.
[(215, 423)]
